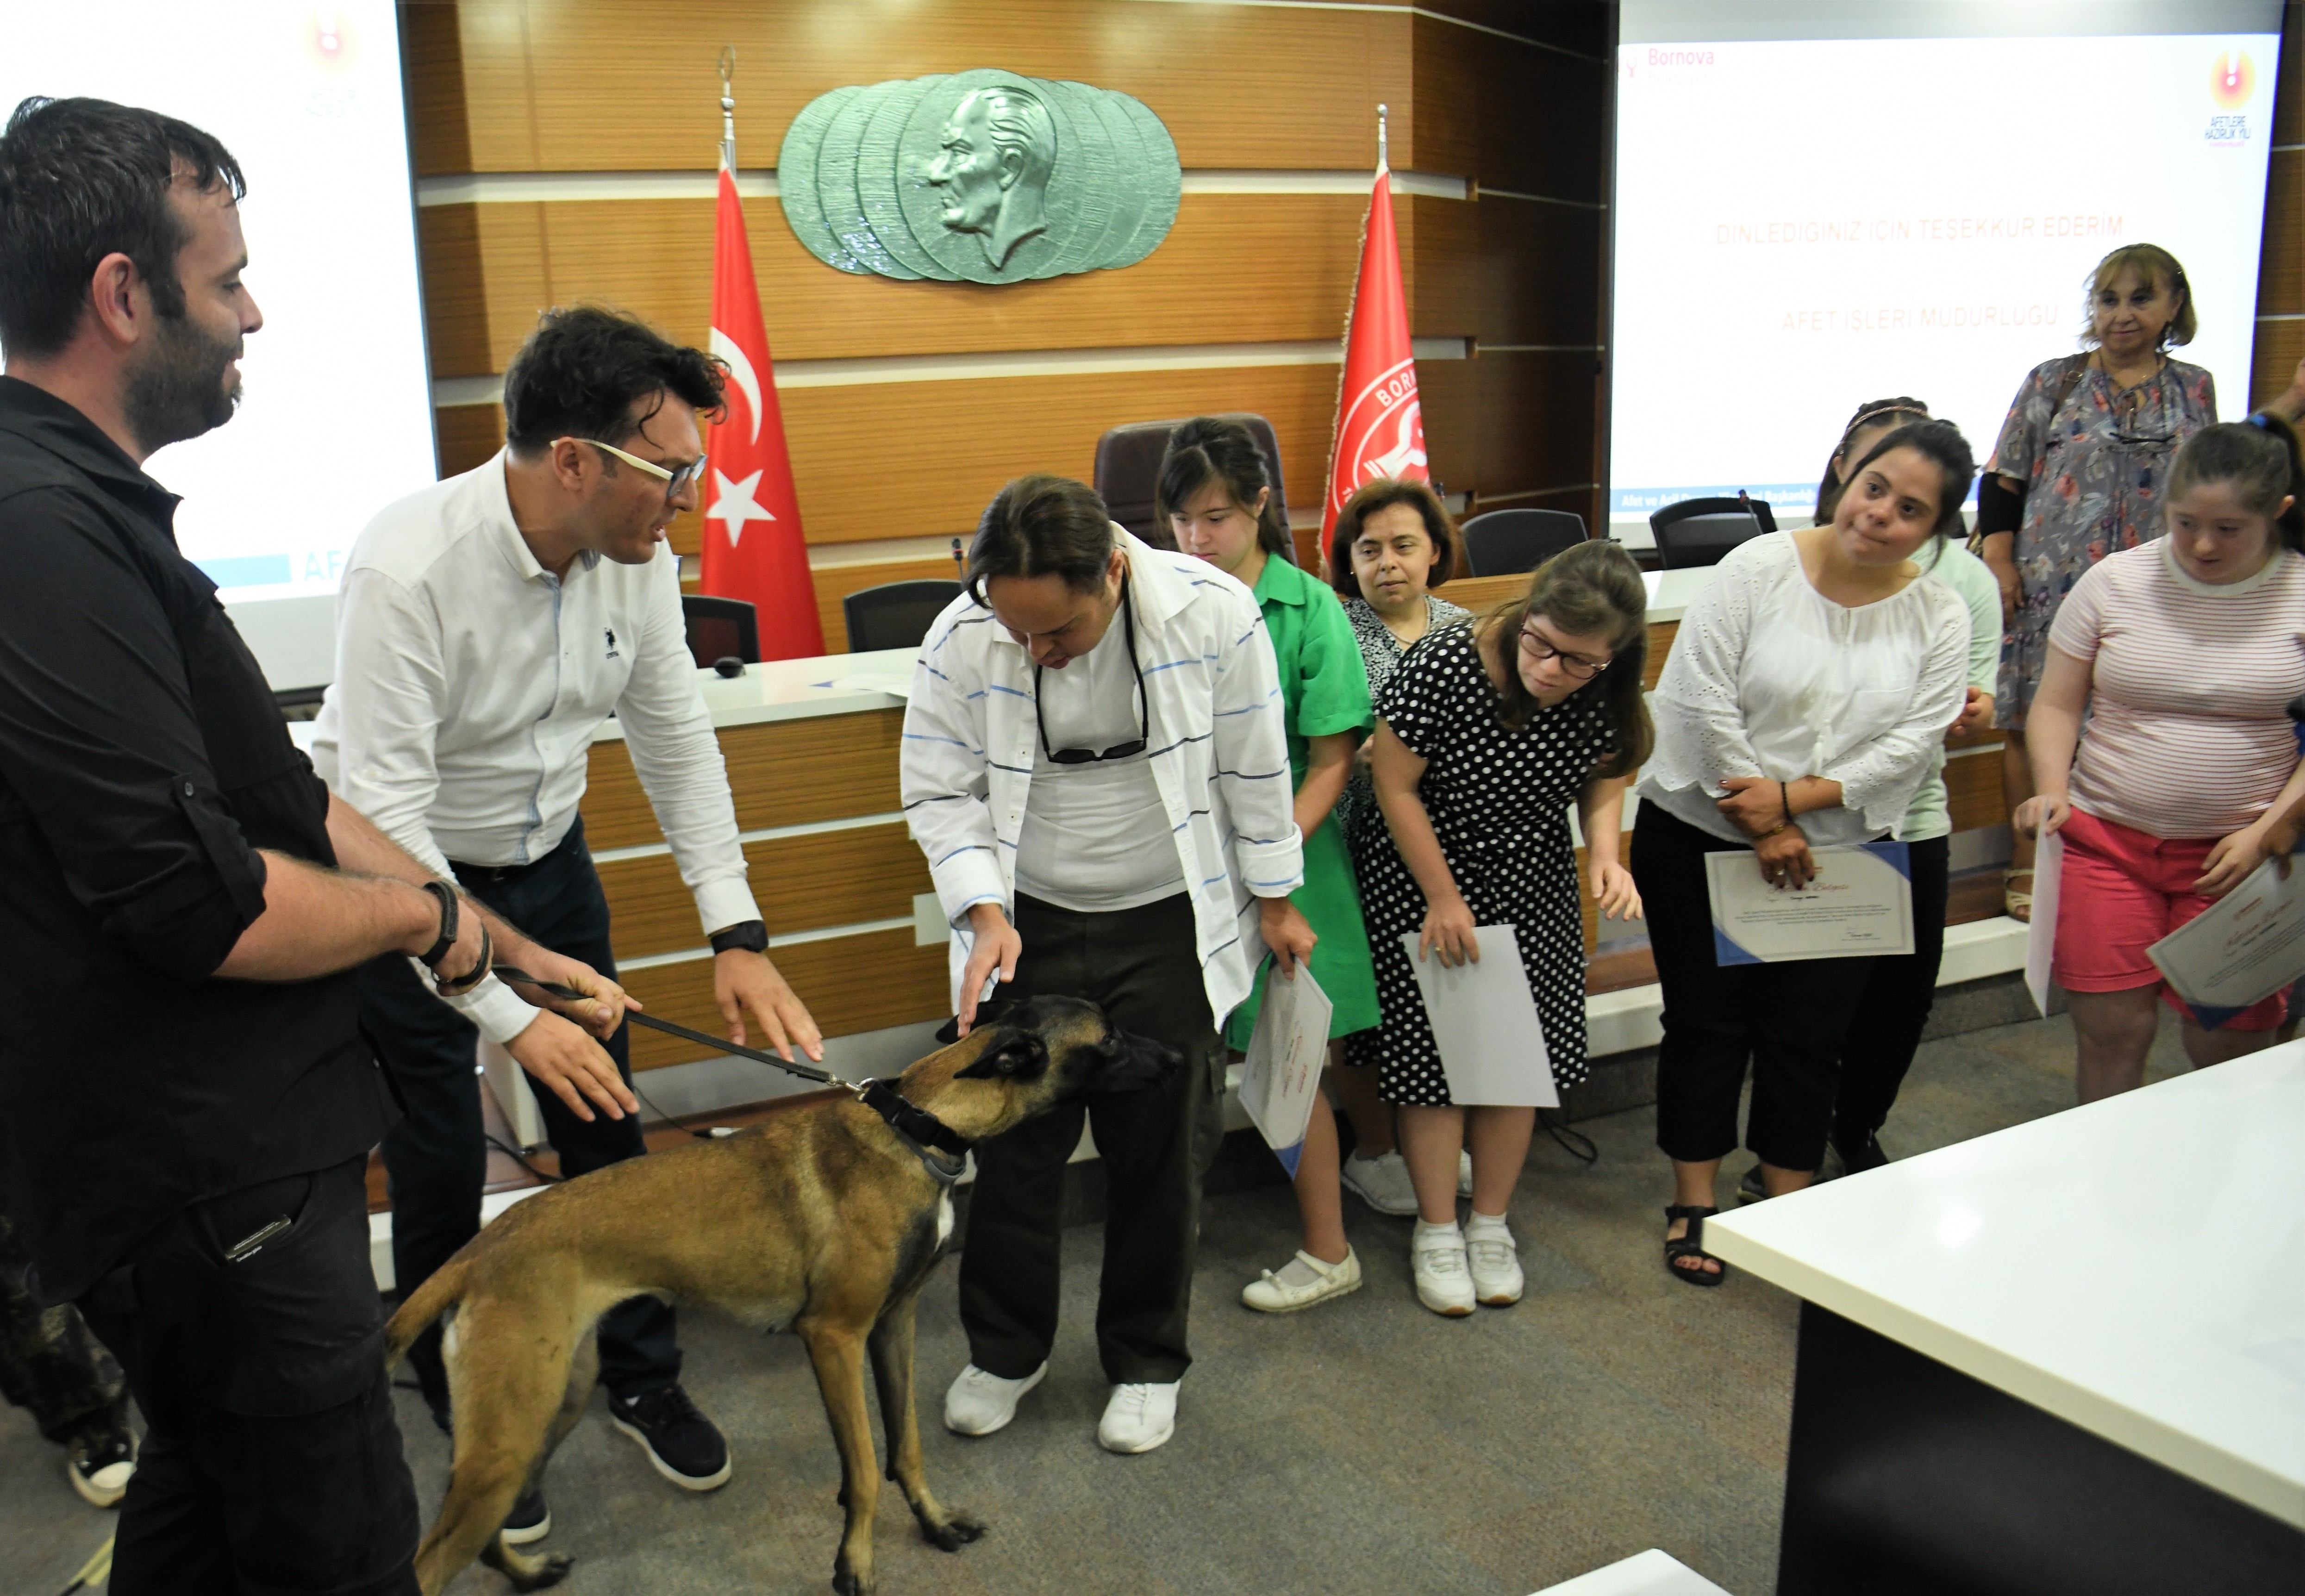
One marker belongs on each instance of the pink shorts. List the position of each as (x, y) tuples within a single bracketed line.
[(2122, 890)]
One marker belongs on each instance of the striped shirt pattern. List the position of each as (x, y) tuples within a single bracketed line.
[(1218, 746), (2188, 733)]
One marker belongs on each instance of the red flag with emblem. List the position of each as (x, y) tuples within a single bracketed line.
[(753, 543), (1380, 425)]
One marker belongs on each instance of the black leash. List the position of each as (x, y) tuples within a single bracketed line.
[(940, 1149)]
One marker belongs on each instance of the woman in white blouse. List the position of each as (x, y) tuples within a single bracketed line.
[(1807, 692)]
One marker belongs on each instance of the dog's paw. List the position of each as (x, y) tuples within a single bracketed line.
[(954, 1534), (845, 1583), (525, 1572)]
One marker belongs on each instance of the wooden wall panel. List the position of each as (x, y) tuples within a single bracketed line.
[(1973, 790), (1474, 112), (1510, 422), (434, 53), (467, 435), (2280, 262), (1238, 268), (2280, 345), (849, 983), (1505, 272), (601, 86), (784, 772), (802, 884), (901, 459), (895, 460)]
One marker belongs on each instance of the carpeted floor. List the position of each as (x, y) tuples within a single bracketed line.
[(1364, 1446)]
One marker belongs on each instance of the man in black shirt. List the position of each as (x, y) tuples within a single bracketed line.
[(189, 1105)]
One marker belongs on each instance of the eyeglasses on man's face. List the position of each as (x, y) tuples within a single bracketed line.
[(676, 479), (1580, 666)]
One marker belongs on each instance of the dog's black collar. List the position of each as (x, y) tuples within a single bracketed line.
[(940, 1149)]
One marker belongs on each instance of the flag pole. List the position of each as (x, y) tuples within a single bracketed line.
[(728, 108), (1380, 161)]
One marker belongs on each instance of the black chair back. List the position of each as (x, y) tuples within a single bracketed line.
[(1507, 542), (896, 615), (718, 628), (1700, 531), (1128, 468)]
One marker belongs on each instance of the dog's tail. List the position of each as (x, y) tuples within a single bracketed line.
[(442, 1290)]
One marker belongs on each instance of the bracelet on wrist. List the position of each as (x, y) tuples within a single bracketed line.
[(751, 935)]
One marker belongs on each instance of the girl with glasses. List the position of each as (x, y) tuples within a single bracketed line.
[(1484, 735), (1215, 497), (1809, 690)]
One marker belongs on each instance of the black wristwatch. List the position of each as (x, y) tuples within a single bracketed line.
[(431, 956), (750, 935)]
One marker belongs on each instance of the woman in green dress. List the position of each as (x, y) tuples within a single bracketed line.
[(1215, 494)]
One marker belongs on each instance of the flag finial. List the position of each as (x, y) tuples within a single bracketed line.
[(727, 107), (1380, 159)]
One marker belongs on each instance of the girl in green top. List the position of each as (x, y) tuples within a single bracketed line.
[(1215, 494)]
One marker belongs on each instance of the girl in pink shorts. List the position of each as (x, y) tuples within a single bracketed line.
[(2185, 652)]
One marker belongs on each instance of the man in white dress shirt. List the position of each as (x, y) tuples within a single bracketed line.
[(486, 627), (1096, 765)]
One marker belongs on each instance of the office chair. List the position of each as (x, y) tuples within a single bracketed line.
[(1506, 542), (718, 628), (896, 615), (1700, 531), (1128, 466)]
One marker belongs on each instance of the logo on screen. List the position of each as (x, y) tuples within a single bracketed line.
[(2233, 79)]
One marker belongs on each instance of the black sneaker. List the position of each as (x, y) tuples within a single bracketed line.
[(528, 1520), (1750, 1189), (100, 1462), (686, 1446)]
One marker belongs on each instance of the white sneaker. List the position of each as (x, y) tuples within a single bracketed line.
[(1381, 1182), (1442, 1282), (1494, 1264), (978, 1403), (1302, 1282), (1138, 1418), (1464, 1173)]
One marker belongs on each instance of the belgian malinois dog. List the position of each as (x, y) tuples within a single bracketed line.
[(824, 1221)]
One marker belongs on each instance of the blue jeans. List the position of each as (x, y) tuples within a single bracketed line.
[(436, 1156)]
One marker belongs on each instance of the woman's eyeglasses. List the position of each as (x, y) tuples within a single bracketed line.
[(675, 479), (1576, 665), (1119, 751)]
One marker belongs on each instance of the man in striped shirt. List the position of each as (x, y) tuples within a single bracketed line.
[(1095, 764)]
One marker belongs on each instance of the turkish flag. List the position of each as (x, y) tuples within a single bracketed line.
[(1380, 424), (753, 545)]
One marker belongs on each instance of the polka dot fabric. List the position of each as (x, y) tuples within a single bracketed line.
[(1498, 801)]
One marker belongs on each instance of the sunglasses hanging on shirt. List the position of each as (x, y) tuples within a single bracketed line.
[(1119, 751)]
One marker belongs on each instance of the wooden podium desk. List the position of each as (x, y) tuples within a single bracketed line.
[(811, 746)]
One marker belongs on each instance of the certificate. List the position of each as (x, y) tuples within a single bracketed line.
[(1281, 1075), (2041, 936), (1860, 902), (2247, 946), (1484, 1023)]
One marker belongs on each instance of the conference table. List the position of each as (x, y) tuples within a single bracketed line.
[(2068, 1356)]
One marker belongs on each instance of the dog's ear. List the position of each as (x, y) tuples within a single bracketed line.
[(988, 1013), (1021, 1054)]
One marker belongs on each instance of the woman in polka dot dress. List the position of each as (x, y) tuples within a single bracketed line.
[(1484, 735)]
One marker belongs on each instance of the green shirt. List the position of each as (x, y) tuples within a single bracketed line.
[(1930, 814), (1324, 684)]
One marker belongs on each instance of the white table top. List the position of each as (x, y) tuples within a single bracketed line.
[(2136, 1267)]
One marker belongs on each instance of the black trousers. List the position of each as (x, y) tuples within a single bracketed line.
[(50, 1365), (1142, 967), (1899, 992), (437, 1157), (1789, 1021), (271, 1463)]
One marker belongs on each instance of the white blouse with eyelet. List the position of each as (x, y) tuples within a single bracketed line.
[(1770, 678)]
